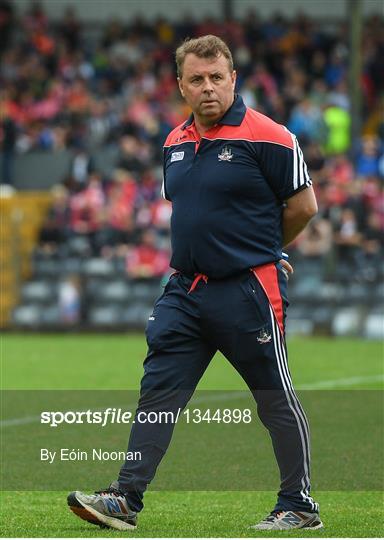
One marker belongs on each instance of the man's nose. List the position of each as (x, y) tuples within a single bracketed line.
[(207, 85)]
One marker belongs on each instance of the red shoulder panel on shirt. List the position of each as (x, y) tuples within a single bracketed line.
[(255, 127), (179, 136), (265, 129)]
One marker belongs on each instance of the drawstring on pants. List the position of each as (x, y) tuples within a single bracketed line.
[(198, 277)]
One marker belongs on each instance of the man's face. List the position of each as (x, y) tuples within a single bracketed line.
[(208, 86)]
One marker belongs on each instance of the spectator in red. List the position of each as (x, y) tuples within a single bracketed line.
[(86, 208), (373, 197), (339, 174), (78, 99), (118, 228), (145, 260)]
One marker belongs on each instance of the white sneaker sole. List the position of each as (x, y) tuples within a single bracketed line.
[(115, 523), (315, 528)]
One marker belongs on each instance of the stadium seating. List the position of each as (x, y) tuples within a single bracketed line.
[(374, 325)]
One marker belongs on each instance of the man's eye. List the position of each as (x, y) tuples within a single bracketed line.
[(217, 77)]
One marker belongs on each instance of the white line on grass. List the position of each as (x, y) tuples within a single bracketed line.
[(337, 383), (333, 384)]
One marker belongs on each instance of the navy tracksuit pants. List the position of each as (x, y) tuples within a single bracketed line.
[(243, 317)]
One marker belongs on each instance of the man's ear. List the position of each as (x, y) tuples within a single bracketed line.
[(234, 76), (180, 83)]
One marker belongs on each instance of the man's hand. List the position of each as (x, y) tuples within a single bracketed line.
[(288, 268)]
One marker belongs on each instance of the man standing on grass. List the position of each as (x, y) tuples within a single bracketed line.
[(240, 191)]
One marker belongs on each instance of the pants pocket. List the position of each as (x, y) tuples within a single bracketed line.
[(254, 310)]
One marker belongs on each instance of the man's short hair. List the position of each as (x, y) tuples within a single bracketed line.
[(203, 47)]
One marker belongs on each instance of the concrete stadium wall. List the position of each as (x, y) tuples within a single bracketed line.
[(101, 10), (325, 9), (41, 170)]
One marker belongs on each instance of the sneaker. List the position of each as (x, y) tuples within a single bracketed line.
[(107, 508), (285, 520)]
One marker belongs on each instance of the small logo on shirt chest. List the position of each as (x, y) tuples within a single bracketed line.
[(226, 154), (177, 156)]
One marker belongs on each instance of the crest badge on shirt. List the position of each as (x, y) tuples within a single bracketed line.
[(177, 156), (226, 154), (264, 337)]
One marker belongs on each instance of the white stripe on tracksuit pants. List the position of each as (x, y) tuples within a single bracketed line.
[(294, 405)]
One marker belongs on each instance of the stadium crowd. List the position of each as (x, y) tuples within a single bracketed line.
[(63, 86)]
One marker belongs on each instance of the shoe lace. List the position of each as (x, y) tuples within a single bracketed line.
[(272, 516), (110, 491)]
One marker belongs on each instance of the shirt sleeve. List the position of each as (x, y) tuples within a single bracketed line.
[(284, 168)]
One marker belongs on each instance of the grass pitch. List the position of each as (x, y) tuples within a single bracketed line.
[(115, 362), (192, 514)]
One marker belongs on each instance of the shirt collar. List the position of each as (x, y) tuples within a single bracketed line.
[(233, 117)]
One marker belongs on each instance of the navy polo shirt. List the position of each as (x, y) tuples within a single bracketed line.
[(227, 190)]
